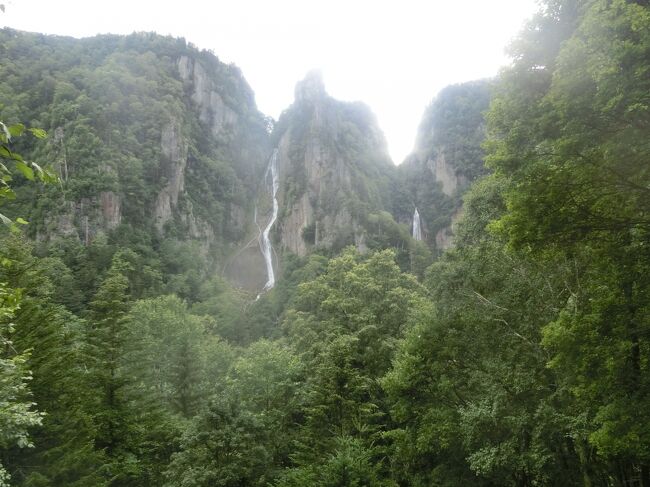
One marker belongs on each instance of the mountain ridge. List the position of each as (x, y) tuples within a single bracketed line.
[(185, 154)]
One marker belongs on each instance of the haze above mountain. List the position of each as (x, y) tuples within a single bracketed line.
[(393, 56), (191, 295)]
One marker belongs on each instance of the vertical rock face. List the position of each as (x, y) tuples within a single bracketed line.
[(212, 109), (180, 151), (447, 158), (173, 163), (111, 209), (85, 219), (446, 174), (331, 159), (167, 140), (445, 236), (451, 133), (236, 133)]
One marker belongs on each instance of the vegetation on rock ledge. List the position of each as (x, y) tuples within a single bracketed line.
[(517, 358)]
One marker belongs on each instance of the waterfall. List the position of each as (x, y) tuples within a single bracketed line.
[(265, 241), (417, 229)]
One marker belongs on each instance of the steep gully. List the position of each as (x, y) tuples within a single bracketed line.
[(264, 236)]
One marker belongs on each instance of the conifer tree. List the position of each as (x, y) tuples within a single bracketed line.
[(63, 451), (111, 411)]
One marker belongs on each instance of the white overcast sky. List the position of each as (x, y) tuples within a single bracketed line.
[(393, 55)]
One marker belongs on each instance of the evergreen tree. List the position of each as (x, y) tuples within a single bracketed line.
[(17, 413), (63, 452), (111, 412), (246, 434), (346, 325)]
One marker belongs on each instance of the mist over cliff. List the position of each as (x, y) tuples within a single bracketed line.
[(195, 294), (160, 144)]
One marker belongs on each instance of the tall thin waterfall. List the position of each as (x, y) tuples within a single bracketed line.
[(265, 241), (417, 228)]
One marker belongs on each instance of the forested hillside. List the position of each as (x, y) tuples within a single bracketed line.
[(507, 347), (447, 158)]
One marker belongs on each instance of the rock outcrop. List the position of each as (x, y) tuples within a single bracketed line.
[(165, 143), (446, 159), (446, 174), (212, 110), (332, 157), (445, 236), (153, 138), (224, 106), (111, 205), (173, 163)]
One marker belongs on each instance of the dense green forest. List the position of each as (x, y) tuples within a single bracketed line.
[(517, 357)]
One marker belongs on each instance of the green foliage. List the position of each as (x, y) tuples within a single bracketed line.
[(225, 447), (350, 464), (17, 412), (453, 127), (126, 131), (49, 337), (345, 324), (29, 170), (107, 336), (385, 232), (245, 433), (168, 354), (449, 139), (521, 359), (368, 298), (578, 167), (568, 133)]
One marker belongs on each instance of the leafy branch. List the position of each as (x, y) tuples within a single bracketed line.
[(29, 169)]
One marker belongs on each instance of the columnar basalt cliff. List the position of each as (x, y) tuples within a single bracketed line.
[(158, 142), (152, 135), (173, 164), (221, 118), (446, 159), (334, 168)]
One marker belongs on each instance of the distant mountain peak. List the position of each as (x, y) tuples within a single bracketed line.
[(311, 88)]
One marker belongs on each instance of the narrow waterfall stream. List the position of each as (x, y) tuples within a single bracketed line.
[(417, 229), (265, 241)]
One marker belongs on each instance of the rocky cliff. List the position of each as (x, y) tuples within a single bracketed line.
[(447, 157), (334, 170), (160, 146), (148, 133)]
